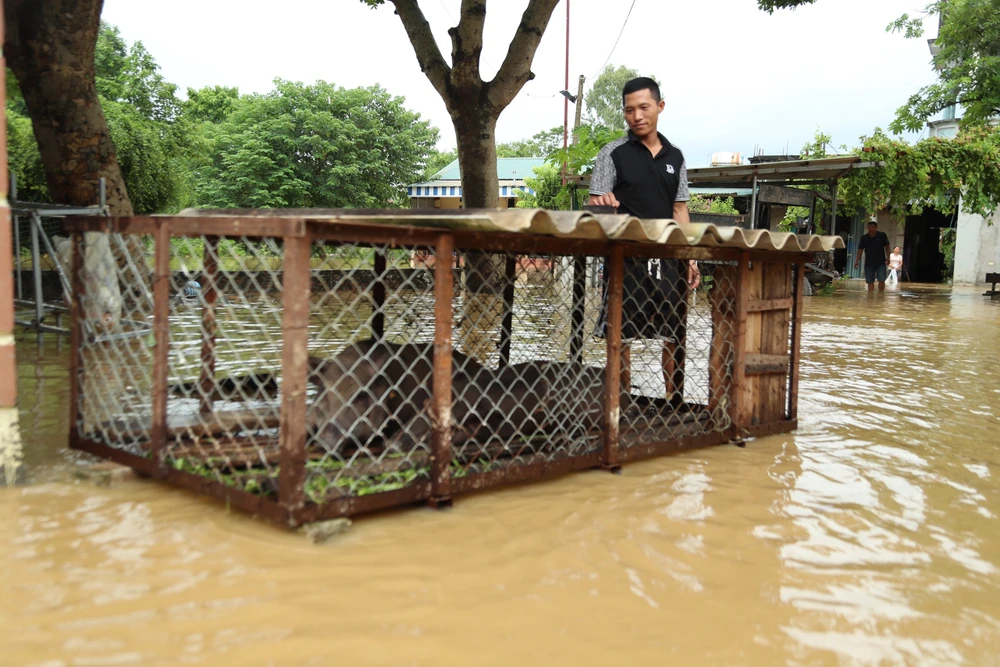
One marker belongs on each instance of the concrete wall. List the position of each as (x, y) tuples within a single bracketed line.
[(977, 248)]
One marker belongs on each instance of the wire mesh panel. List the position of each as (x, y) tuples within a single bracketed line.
[(371, 337), (224, 364), (678, 328), (531, 384), (115, 356)]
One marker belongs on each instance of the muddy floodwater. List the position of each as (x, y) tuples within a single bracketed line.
[(869, 536)]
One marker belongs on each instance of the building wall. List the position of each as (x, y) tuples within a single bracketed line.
[(977, 248)]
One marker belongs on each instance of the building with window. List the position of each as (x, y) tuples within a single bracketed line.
[(445, 189)]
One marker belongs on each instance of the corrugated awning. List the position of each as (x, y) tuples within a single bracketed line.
[(823, 169), (561, 224)]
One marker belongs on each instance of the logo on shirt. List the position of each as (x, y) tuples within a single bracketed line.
[(670, 168)]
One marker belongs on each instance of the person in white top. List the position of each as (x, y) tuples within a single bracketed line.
[(895, 265)]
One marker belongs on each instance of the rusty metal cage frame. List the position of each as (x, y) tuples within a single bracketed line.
[(751, 310)]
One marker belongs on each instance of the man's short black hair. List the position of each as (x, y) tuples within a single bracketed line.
[(872, 222), (641, 83)]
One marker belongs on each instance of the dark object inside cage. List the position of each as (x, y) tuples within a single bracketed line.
[(306, 365)]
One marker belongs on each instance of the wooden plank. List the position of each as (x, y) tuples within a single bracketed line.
[(442, 398), (294, 353), (613, 376), (747, 287), (774, 342), (768, 305), (796, 346), (780, 194), (192, 225), (765, 364), (161, 338), (722, 298)]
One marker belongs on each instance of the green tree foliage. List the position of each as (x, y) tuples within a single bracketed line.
[(770, 5), (704, 204), (151, 137), (604, 99), (548, 189), (305, 146), (211, 104), (931, 172), (436, 161), (543, 144), (968, 63)]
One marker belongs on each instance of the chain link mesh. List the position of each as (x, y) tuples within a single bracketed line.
[(528, 366)]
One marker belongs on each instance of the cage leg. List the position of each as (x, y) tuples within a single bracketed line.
[(441, 438), (507, 326), (161, 349), (616, 354)]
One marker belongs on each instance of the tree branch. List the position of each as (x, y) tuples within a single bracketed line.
[(467, 41), (516, 68), (432, 63)]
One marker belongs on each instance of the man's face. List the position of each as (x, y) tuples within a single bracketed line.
[(872, 229), (641, 112)]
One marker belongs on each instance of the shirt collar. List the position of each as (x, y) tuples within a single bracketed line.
[(634, 138)]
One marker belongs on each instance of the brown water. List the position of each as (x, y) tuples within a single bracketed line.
[(869, 536)]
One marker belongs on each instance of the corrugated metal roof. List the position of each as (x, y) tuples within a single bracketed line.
[(741, 175), (563, 224), (508, 169)]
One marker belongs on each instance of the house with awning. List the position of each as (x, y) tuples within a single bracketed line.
[(445, 189)]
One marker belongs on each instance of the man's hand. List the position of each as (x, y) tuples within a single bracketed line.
[(857, 264), (607, 199), (694, 275)]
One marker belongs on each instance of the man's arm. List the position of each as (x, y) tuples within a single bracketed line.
[(681, 214), (857, 260), (603, 179), (885, 248)]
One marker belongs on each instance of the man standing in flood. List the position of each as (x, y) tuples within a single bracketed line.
[(644, 175), (875, 246)]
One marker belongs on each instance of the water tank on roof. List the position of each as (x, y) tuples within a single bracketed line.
[(726, 157)]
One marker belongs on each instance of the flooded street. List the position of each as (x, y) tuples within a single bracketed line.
[(869, 536)]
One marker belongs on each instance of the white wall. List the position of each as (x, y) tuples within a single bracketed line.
[(977, 248)]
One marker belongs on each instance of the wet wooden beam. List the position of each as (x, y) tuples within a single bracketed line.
[(765, 364), (769, 305), (442, 398)]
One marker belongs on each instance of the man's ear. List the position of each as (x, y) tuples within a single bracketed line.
[(662, 105)]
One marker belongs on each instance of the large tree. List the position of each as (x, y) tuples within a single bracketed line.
[(474, 104), (318, 146), (50, 45), (967, 59), (604, 99)]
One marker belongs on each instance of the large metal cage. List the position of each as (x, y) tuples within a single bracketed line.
[(306, 365)]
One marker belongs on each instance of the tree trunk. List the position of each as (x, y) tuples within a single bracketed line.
[(50, 45)]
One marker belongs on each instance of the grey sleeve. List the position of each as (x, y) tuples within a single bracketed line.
[(682, 185), (602, 180)]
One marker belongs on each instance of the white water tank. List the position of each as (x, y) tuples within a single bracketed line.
[(726, 157)]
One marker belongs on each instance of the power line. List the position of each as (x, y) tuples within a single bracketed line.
[(620, 33)]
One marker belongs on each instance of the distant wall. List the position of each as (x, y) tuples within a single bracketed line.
[(977, 248)]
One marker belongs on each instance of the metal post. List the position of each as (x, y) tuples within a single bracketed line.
[(507, 326), (294, 362), (833, 209), (566, 99), (612, 374), (753, 205), (441, 415), (378, 295), (103, 189), (209, 323), (17, 239), (161, 349), (579, 105), (36, 270), (76, 367)]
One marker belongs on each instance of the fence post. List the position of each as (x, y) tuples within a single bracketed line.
[(793, 381), (441, 417), (161, 345), (612, 374), (378, 295), (507, 326), (577, 317), (76, 368), (294, 374), (209, 324)]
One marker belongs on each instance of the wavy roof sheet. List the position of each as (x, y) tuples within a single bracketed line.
[(563, 224)]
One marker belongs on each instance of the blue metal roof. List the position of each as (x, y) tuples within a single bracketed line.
[(508, 169)]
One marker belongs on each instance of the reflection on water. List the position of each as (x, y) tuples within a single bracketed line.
[(870, 536)]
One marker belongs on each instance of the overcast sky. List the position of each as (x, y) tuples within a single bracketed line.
[(735, 78)]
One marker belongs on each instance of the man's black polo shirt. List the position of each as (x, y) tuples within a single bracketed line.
[(644, 185)]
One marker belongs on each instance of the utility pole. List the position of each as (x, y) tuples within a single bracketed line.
[(579, 106), (566, 100)]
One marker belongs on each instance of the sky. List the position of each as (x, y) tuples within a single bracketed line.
[(734, 78)]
